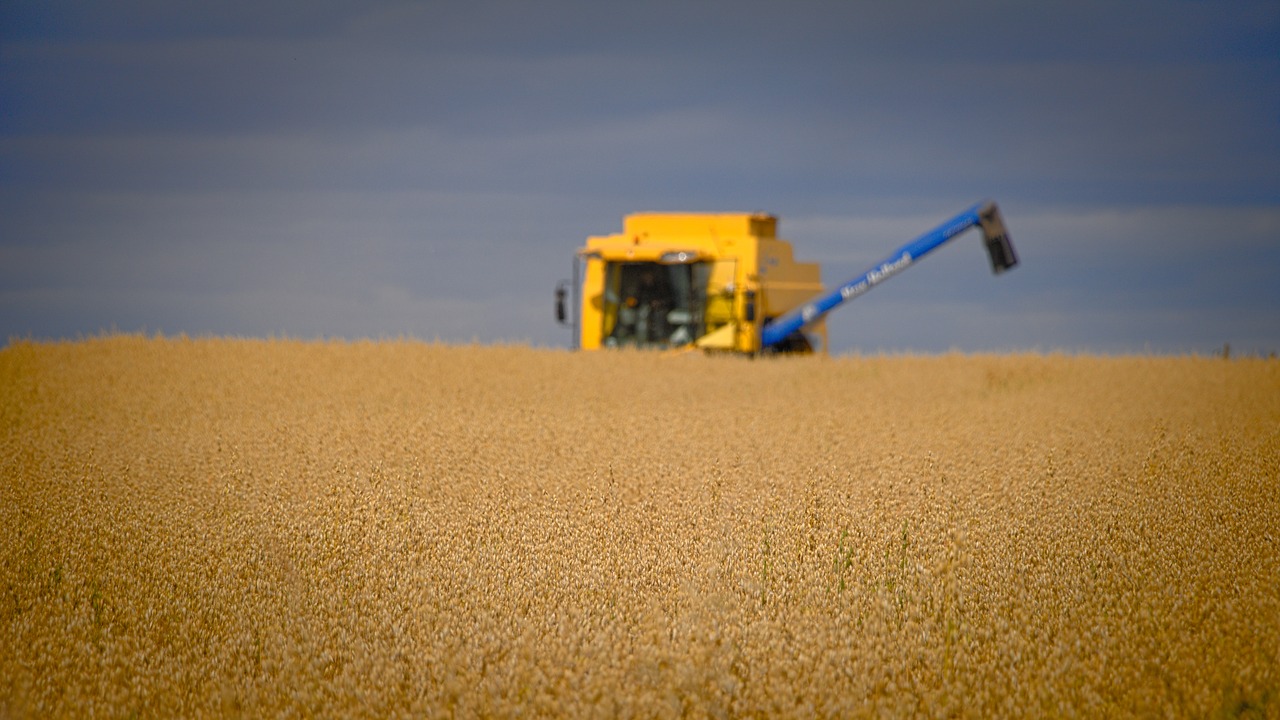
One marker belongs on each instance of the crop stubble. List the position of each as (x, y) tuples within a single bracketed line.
[(193, 527)]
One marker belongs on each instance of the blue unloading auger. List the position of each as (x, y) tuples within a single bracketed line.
[(985, 215)]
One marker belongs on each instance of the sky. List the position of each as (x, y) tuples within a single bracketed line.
[(383, 169)]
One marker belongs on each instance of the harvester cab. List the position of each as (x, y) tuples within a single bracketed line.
[(726, 282)]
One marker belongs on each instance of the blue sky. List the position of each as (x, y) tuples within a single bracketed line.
[(426, 169)]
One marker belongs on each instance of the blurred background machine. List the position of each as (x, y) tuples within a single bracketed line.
[(727, 282)]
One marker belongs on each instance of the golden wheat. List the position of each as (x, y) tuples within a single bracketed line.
[(280, 528)]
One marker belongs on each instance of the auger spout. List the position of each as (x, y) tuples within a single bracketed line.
[(985, 215)]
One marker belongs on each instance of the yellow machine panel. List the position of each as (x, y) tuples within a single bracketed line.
[(700, 280)]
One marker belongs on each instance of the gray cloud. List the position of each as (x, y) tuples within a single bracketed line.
[(368, 169)]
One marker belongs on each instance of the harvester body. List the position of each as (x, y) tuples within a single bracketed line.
[(727, 282), (707, 280)]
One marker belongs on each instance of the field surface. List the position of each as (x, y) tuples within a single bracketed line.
[(281, 528)]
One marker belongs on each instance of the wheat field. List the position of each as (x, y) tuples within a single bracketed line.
[(279, 528)]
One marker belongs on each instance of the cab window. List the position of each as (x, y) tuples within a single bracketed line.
[(650, 304)]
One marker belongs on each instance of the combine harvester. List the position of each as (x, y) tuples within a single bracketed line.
[(727, 282)]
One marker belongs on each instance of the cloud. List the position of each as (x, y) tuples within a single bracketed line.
[(428, 168)]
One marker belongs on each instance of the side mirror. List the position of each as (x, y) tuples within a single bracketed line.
[(560, 295)]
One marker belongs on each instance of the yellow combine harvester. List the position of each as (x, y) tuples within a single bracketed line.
[(726, 282)]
